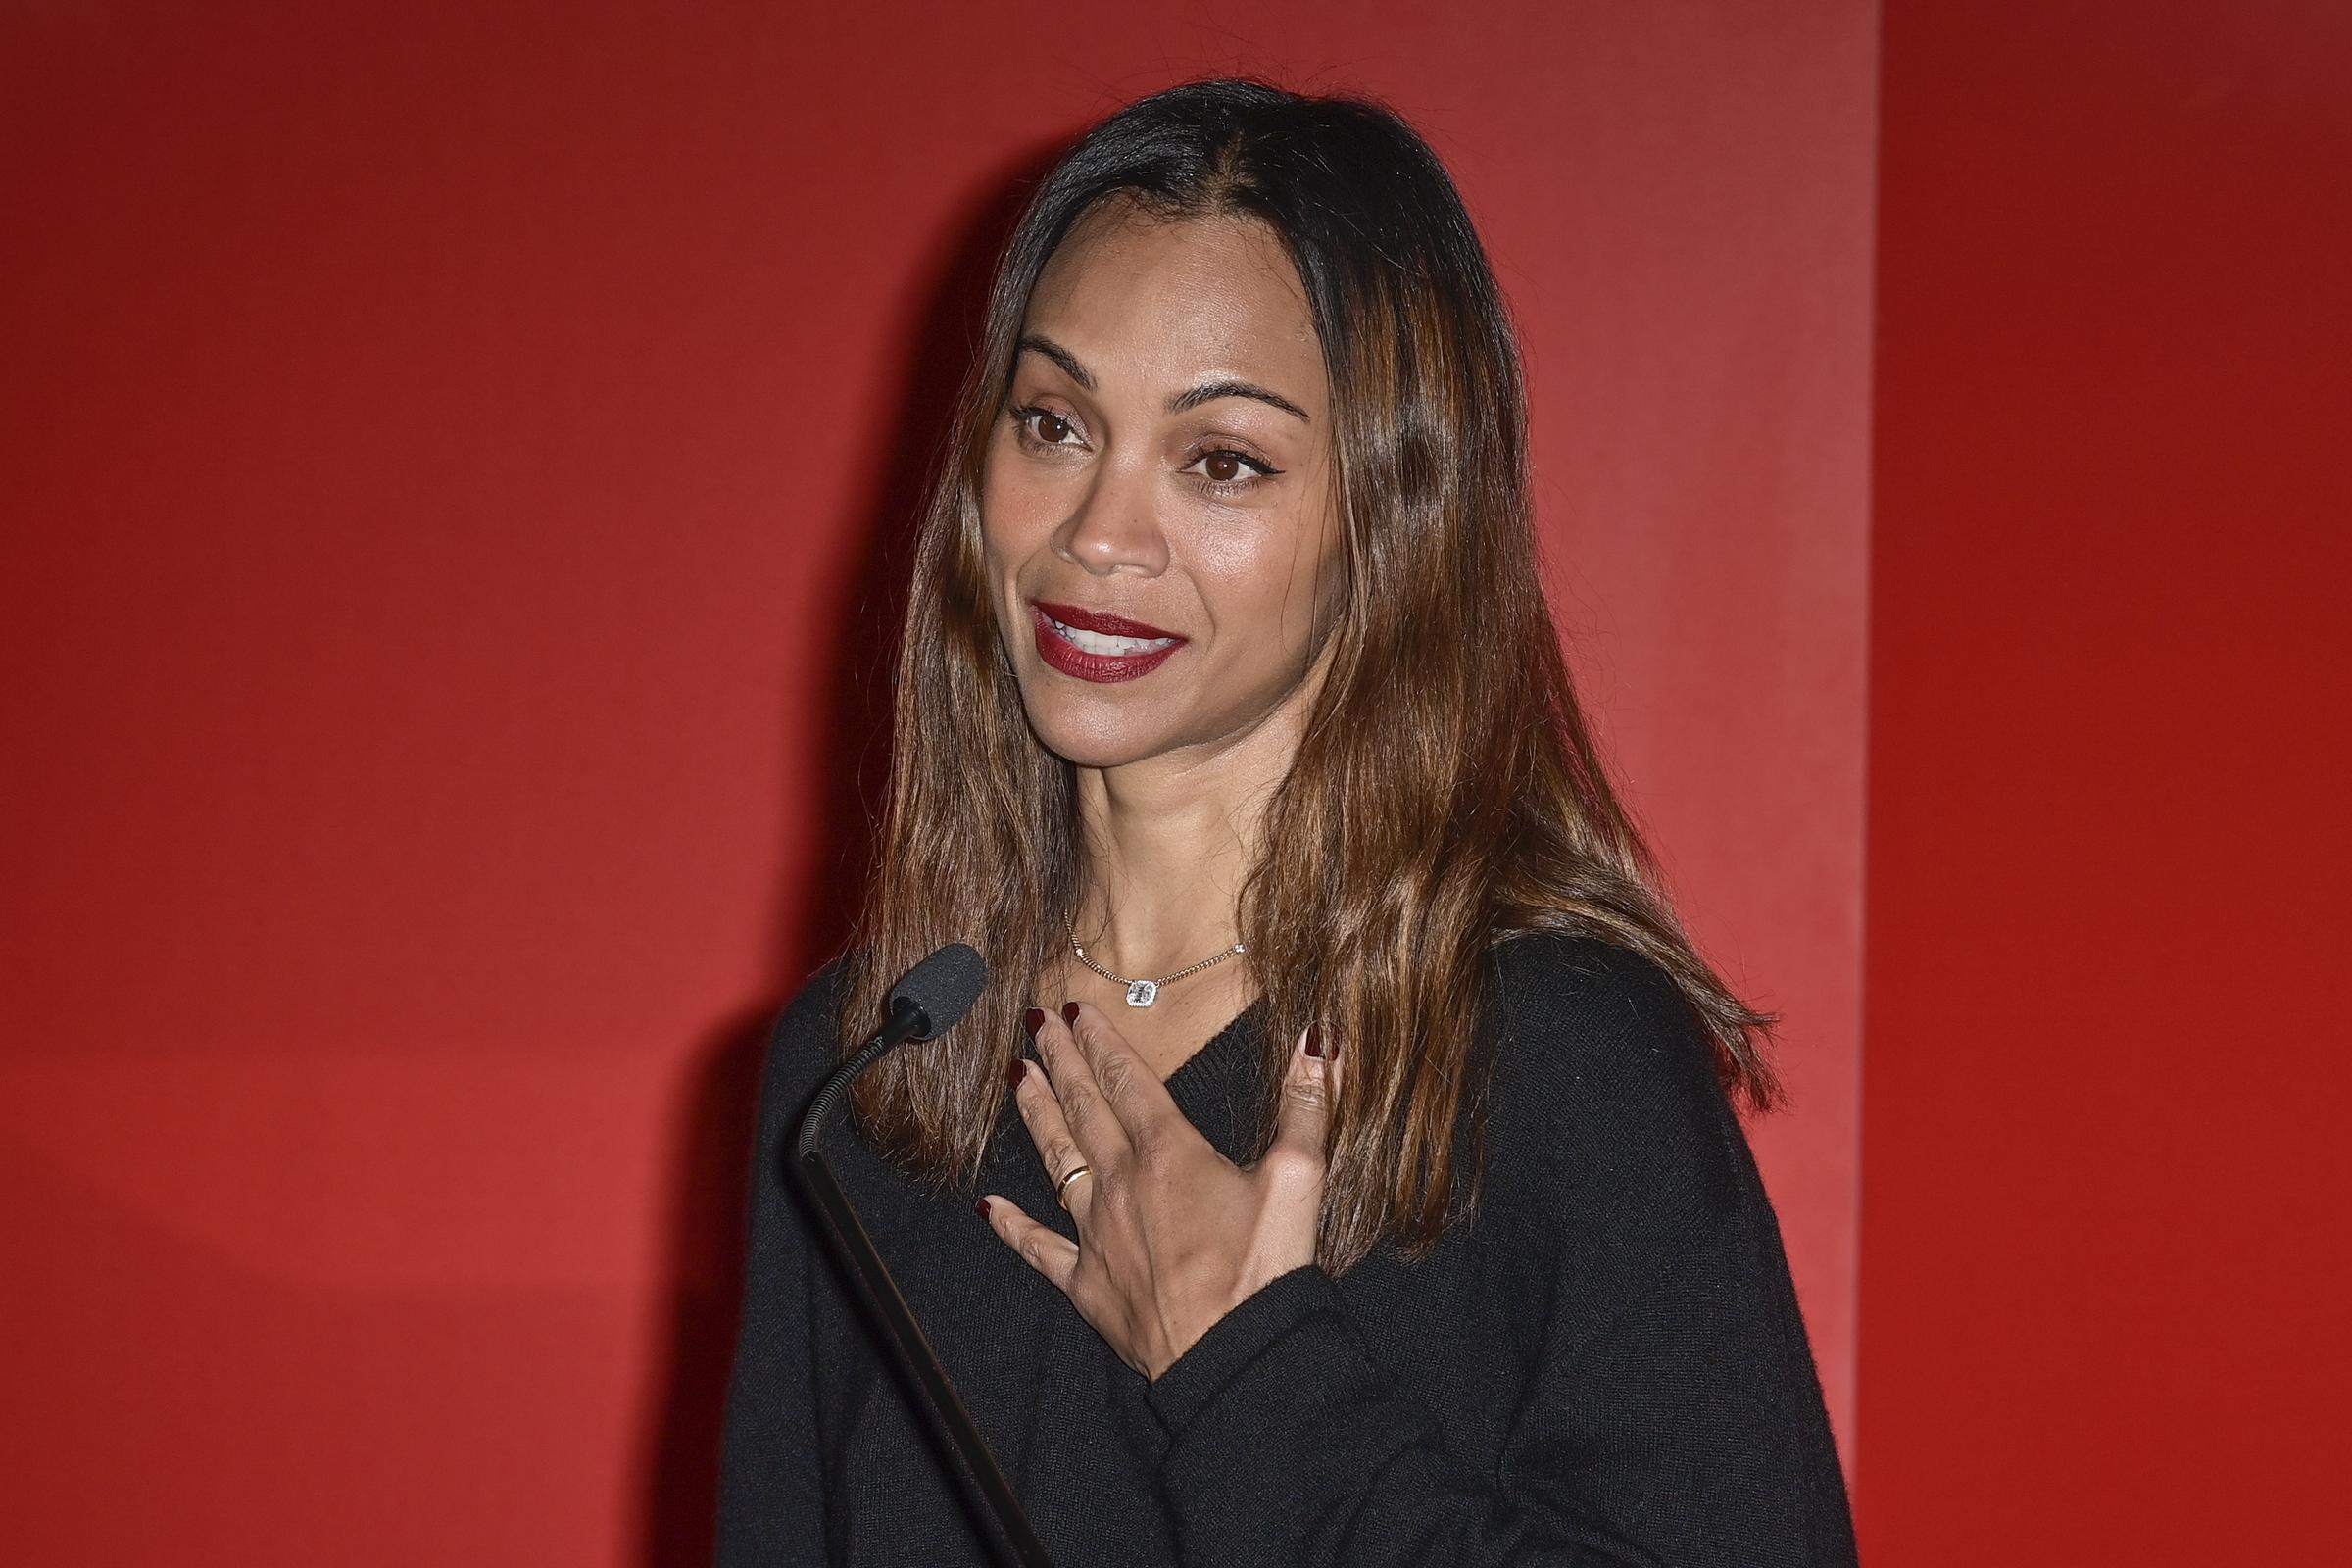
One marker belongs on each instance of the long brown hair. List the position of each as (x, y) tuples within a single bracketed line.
[(1447, 793)]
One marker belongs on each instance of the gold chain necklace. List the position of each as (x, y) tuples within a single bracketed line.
[(1144, 992)]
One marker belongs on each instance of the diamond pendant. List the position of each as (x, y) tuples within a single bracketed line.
[(1142, 993)]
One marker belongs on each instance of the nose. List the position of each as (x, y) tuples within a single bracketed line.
[(1115, 527)]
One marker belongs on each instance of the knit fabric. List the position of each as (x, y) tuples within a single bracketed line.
[(1605, 1365)]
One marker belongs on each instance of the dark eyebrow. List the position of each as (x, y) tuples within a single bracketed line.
[(1039, 343), (1193, 398), (1210, 391)]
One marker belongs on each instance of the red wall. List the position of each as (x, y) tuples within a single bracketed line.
[(2105, 1183), (451, 458)]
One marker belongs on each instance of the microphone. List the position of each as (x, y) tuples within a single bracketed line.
[(928, 999)]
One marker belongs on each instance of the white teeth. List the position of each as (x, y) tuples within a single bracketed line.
[(1095, 642)]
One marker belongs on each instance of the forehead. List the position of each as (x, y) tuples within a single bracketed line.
[(1168, 300)]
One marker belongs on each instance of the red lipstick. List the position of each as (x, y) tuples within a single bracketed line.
[(1098, 620), (1103, 668)]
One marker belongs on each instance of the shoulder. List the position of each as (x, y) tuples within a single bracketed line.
[(1602, 1102), (802, 1044)]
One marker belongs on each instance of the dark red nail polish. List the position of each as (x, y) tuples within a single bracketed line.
[(1069, 1012), (1033, 1020), (1314, 1040), (1014, 1070), (981, 1209)]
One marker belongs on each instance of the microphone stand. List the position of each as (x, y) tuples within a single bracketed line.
[(905, 1336)]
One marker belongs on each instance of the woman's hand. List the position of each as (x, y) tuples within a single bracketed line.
[(1171, 1234)]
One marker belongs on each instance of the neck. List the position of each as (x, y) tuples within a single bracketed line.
[(1170, 840)]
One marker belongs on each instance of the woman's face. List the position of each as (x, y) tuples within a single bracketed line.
[(1160, 485)]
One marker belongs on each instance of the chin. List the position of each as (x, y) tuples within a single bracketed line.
[(1089, 734)]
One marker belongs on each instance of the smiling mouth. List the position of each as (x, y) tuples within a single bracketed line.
[(1096, 647), (1095, 642)]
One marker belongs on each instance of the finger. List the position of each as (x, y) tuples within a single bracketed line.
[(1076, 1195), (1056, 1148), (1093, 1123), (1046, 1250), (1302, 1120), (1130, 1088)]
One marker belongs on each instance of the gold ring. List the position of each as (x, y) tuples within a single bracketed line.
[(1061, 1189)]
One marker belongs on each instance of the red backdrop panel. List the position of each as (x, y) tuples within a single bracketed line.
[(2105, 1185), (453, 455)]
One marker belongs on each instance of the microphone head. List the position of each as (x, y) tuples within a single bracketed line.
[(943, 986)]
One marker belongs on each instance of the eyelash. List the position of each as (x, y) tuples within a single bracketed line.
[(1021, 416)]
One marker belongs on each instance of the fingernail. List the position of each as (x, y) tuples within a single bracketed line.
[(1014, 1070), (1069, 1012), (1314, 1040), (1033, 1020), (981, 1209)]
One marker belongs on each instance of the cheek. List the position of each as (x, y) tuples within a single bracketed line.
[(1266, 570), (1015, 520), (1260, 593)]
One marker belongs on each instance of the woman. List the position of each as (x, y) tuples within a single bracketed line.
[(1374, 1194)]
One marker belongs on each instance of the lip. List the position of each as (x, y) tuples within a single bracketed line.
[(1104, 669), (1096, 620)]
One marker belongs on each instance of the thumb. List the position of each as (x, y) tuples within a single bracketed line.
[(1303, 1123)]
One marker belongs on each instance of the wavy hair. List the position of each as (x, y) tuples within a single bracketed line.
[(1447, 793)]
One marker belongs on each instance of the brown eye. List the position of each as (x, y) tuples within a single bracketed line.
[(1039, 428), (1226, 472)]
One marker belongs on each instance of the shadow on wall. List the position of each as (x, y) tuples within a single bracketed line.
[(717, 1105)]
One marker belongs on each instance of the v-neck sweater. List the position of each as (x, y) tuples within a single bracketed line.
[(1605, 1364)]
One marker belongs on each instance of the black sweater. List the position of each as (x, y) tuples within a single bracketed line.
[(1605, 1366)]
